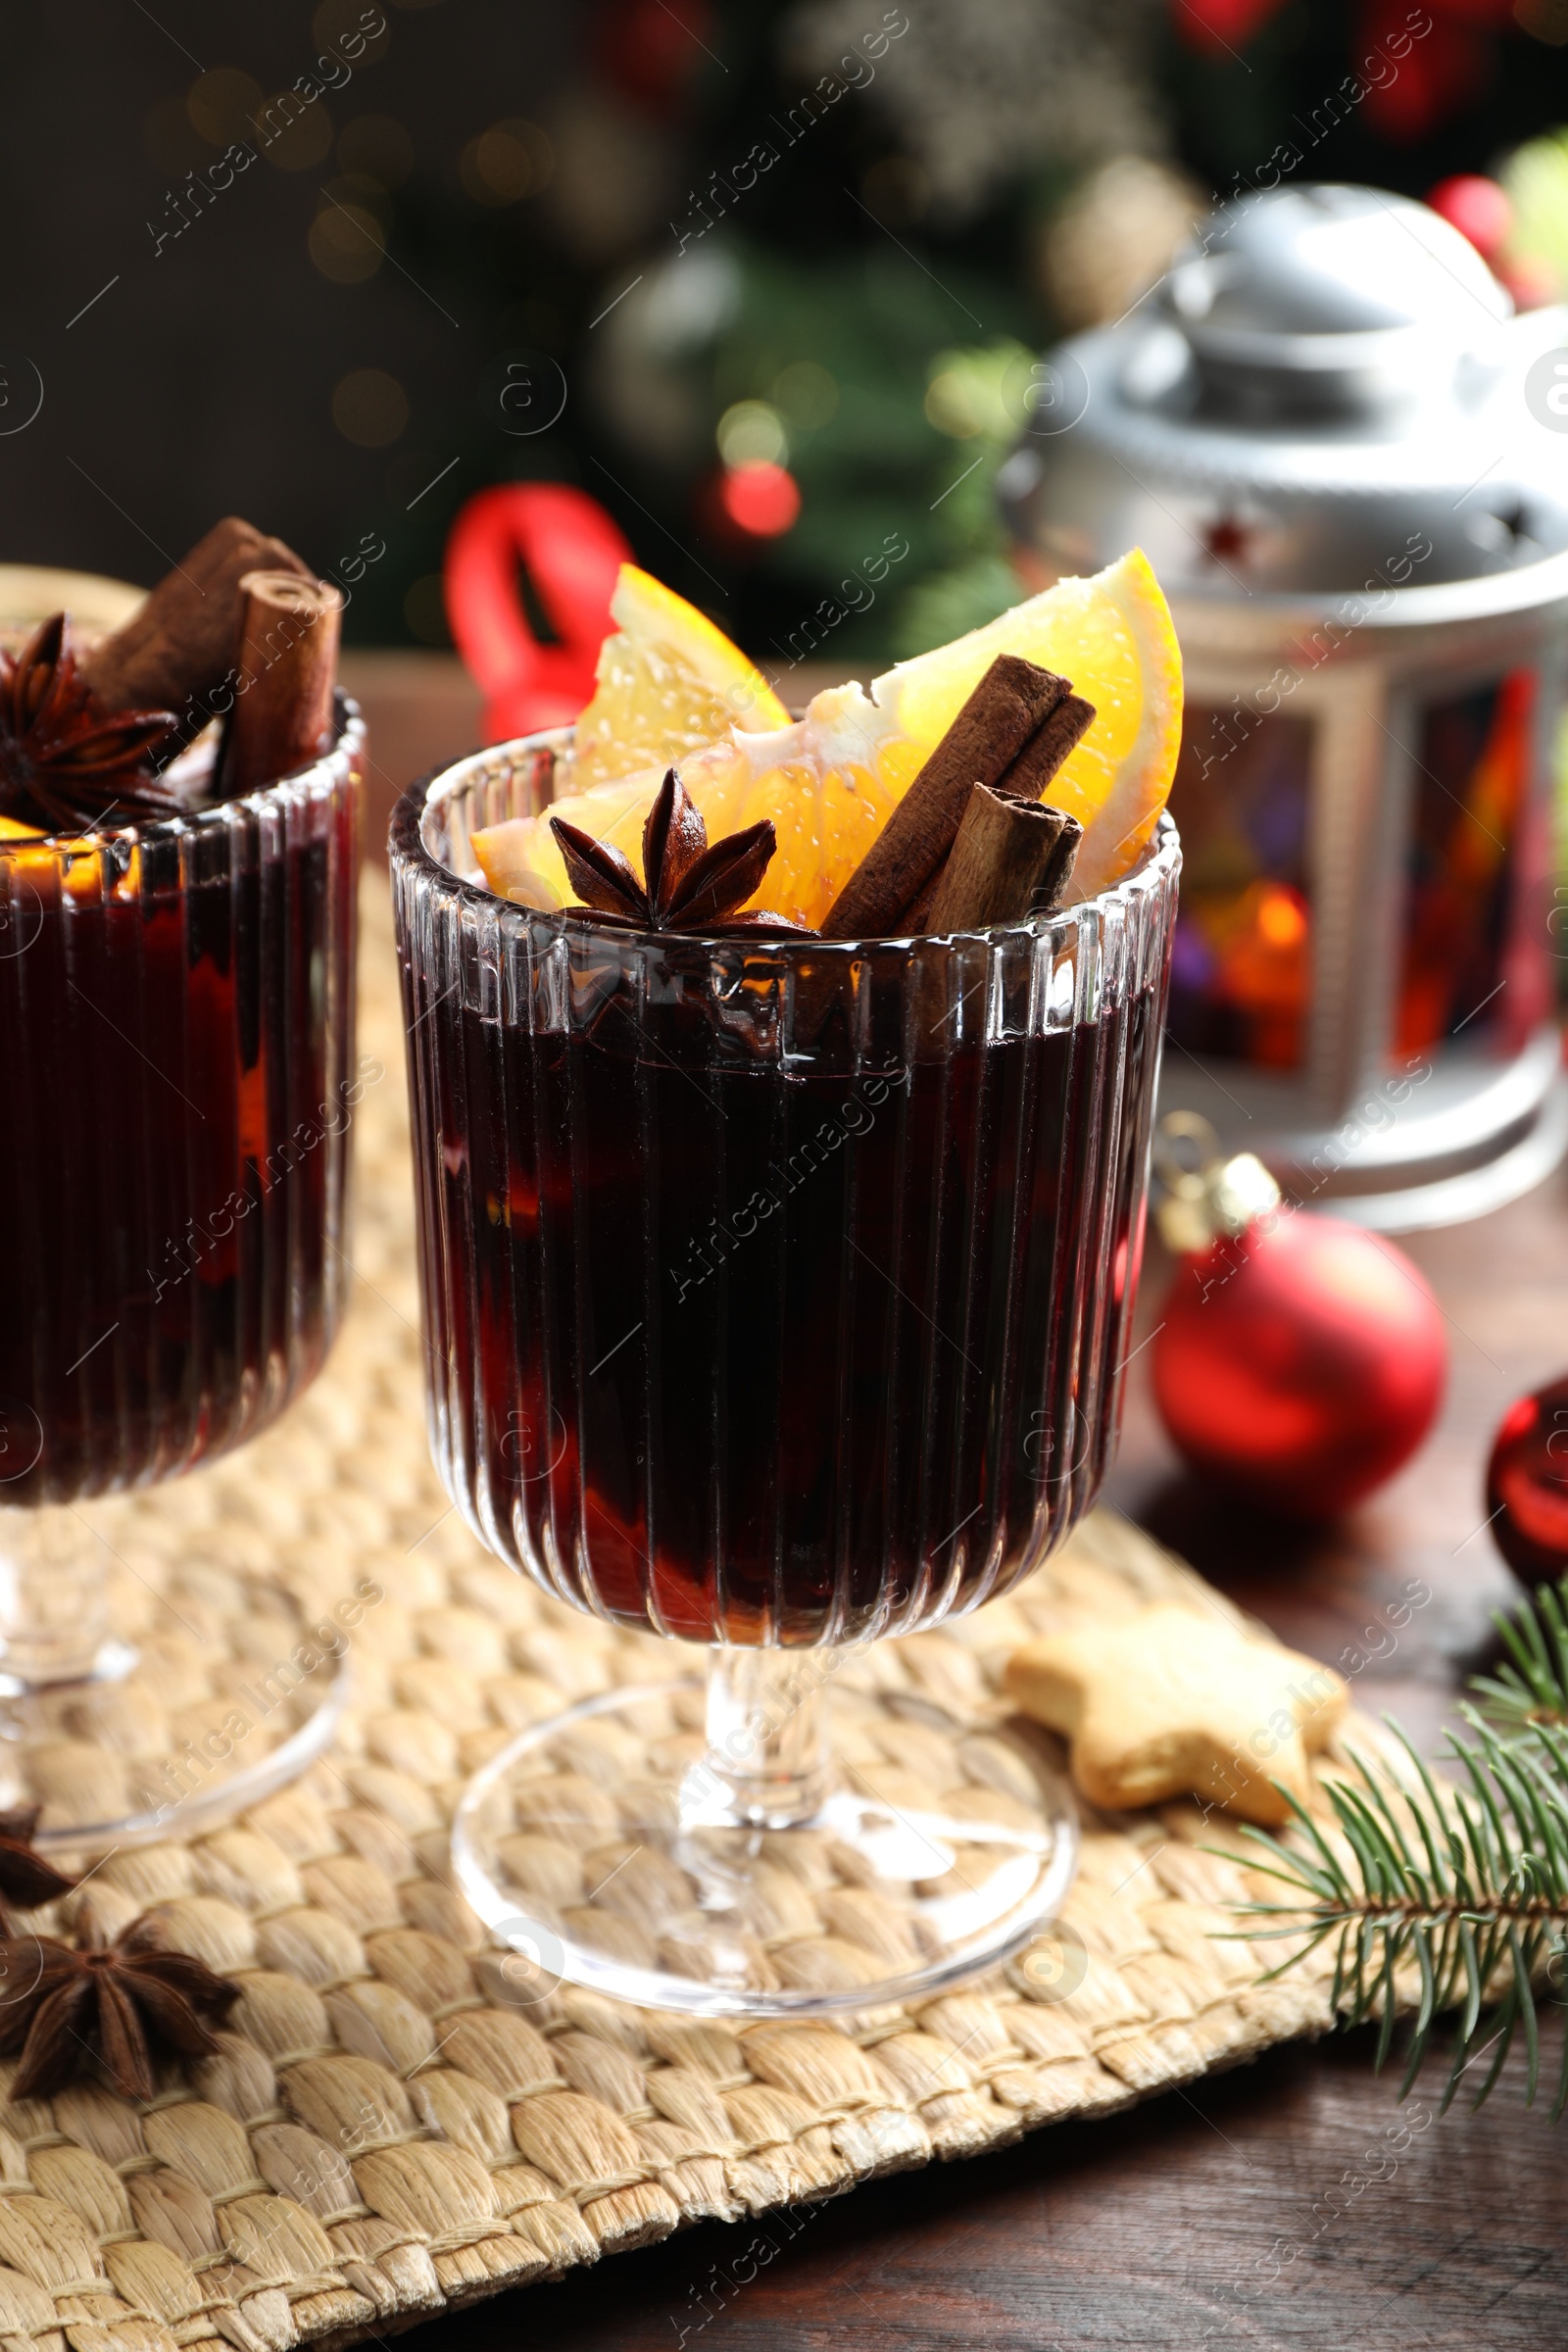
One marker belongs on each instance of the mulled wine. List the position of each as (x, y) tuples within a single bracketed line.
[(178, 1006), (742, 1330), (780, 1202)]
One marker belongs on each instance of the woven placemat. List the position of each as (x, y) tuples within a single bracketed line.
[(388, 2133)]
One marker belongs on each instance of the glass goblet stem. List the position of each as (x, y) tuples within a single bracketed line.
[(54, 1619), (766, 1765)]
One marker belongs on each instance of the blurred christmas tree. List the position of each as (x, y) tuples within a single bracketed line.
[(836, 380), (854, 293), (794, 258)]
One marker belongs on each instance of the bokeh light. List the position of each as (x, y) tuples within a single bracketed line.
[(346, 239), (222, 105), (1477, 208), (807, 394), (505, 163), (760, 499), (369, 408), (951, 406), (752, 433), (1281, 918), (294, 135)]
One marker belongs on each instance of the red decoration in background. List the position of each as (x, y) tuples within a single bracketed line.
[(1527, 1483), (1222, 24), (1409, 84), (651, 49), (1477, 208), (573, 552), (740, 507), (1299, 1363), (761, 499)]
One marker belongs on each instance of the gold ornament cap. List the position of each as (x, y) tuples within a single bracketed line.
[(1203, 1196)]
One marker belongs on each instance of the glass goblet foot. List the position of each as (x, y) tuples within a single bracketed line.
[(757, 1849), (141, 1702)]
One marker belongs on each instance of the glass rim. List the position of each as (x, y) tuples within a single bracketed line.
[(86, 839), (407, 848)]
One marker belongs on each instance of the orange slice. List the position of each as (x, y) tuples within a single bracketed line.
[(668, 683), (827, 789), (830, 780), (1113, 635)]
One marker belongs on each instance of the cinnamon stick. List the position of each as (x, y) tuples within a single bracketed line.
[(1007, 708), (915, 918), (1031, 770), (282, 718), (1013, 858), (176, 649)]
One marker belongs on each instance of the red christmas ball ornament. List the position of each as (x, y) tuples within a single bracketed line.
[(1300, 1360), (1527, 1484), (1477, 208)]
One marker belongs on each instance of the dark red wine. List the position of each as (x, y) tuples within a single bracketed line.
[(177, 1011), (756, 1357)]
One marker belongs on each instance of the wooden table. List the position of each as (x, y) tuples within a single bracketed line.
[(1211, 2218)]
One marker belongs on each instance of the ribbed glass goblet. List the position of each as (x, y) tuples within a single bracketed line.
[(177, 1001), (776, 1296)]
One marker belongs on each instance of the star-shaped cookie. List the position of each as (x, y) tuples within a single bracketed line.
[(1170, 1701)]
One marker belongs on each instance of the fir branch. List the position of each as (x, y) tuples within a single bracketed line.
[(1441, 1900), (1450, 1898), (1530, 1689)]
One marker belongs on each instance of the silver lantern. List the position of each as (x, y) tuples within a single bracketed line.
[(1349, 465)]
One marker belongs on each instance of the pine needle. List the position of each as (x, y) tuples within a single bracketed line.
[(1447, 1900)]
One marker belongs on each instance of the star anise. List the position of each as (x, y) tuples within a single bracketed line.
[(687, 886), (124, 2005), (25, 1878), (65, 761)]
